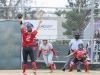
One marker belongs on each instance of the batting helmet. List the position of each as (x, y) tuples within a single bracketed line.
[(27, 24), (76, 34)]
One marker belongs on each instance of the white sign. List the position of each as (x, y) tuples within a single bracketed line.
[(47, 29)]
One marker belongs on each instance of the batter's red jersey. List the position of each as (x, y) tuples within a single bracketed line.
[(78, 53), (27, 40)]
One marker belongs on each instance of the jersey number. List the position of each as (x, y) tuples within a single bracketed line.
[(28, 38)]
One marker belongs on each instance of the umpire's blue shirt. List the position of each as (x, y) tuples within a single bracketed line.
[(74, 43)]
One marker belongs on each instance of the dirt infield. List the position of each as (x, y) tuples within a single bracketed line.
[(46, 72)]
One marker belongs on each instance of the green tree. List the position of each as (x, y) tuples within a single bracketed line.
[(8, 9), (74, 23), (60, 12), (29, 13), (77, 18), (84, 4), (8, 12)]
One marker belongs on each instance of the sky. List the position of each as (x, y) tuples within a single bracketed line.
[(46, 3), (50, 3)]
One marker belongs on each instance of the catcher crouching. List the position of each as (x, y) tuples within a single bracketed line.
[(80, 55)]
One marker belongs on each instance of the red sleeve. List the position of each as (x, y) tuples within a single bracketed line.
[(54, 52), (34, 32), (22, 30), (75, 52), (39, 53)]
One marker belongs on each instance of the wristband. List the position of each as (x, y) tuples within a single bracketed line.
[(21, 23)]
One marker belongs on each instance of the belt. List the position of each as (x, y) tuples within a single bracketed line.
[(27, 46)]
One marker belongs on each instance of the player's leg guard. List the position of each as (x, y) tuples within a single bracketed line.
[(71, 66), (86, 65)]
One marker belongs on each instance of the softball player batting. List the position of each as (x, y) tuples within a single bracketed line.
[(48, 52), (27, 42), (80, 55)]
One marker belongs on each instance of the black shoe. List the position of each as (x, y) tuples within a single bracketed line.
[(63, 69), (78, 70)]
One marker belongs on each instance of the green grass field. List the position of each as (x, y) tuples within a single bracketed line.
[(46, 72)]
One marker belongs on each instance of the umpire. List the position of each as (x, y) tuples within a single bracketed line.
[(73, 45)]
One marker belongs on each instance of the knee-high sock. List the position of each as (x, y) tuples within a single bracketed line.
[(53, 64), (34, 66), (50, 67), (24, 68)]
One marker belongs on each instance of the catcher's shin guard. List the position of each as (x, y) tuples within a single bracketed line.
[(71, 66), (86, 65)]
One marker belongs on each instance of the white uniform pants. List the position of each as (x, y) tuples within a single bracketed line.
[(48, 59)]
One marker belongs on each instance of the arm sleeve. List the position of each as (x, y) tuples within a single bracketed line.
[(54, 52), (51, 47), (39, 53), (34, 32)]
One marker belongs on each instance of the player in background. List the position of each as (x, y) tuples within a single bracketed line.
[(80, 55), (27, 42), (48, 52), (73, 45), (35, 48)]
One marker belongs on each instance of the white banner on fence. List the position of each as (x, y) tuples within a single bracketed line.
[(47, 29)]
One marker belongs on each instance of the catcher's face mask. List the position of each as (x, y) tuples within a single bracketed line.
[(80, 46)]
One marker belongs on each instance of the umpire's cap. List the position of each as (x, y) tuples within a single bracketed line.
[(76, 34)]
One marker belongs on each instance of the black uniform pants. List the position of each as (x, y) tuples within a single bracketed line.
[(27, 50)]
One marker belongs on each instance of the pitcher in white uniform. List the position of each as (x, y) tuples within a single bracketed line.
[(48, 51)]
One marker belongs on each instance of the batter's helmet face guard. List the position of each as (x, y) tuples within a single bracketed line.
[(80, 46)]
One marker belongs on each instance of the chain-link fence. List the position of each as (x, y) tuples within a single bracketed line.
[(61, 23)]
